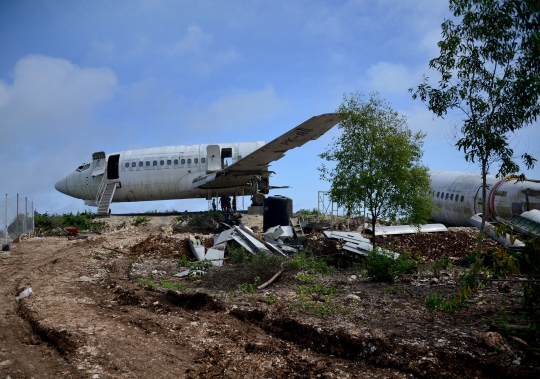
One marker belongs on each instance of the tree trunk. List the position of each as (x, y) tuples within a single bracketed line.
[(373, 222), (484, 207)]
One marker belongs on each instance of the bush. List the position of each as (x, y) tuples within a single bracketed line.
[(382, 267), (237, 254), (82, 221), (311, 264)]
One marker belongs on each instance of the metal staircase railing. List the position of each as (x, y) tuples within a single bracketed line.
[(106, 198)]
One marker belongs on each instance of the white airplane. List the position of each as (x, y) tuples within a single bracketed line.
[(186, 171), (203, 171), (458, 196)]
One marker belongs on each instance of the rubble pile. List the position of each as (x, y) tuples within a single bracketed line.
[(456, 244), (161, 246)]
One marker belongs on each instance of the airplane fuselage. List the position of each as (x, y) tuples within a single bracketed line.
[(458, 196), (161, 173)]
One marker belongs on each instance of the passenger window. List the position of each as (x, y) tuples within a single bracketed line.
[(446, 198), (127, 164), (176, 161), (183, 161), (168, 162), (147, 163), (189, 161), (452, 197), (133, 164), (154, 163), (161, 163), (462, 198), (140, 164), (438, 193), (196, 160), (457, 197), (442, 195), (203, 160)]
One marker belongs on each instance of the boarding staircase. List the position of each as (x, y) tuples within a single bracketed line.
[(104, 196)]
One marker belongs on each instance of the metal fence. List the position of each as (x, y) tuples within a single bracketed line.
[(16, 218)]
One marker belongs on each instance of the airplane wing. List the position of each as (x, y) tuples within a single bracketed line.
[(272, 151), (259, 160)]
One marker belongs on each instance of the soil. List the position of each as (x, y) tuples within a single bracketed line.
[(94, 313)]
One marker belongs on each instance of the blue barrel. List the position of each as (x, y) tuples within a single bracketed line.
[(277, 210)]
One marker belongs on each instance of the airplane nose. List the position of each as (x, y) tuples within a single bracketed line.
[(61, 186)]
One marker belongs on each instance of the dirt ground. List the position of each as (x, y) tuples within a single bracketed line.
[(92, 315)]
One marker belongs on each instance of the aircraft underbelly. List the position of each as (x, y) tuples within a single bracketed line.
[(227, 182)]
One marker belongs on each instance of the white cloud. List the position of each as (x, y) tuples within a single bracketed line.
[(45, 120), (239, 110), (195, 41), (52, 93), (103, 46), (386, 77)]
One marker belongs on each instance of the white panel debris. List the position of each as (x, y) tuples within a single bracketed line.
[(197, 247), (216, 255), (355, 243), (506, 240), (407, 229)]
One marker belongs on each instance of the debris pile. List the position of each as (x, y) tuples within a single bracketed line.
[(160, 246)]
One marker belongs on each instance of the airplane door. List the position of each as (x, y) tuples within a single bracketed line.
[(213, 158), (98, 163), (112, 166)]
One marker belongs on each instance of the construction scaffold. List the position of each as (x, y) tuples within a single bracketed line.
[(330, 210)]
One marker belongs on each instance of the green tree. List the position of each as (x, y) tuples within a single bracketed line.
[(377, 163), (489, 68)]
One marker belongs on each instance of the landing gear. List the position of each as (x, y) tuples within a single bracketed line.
[(257, 199), (257, 195)]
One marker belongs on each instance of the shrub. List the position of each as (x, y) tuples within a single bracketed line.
[(382, 267)]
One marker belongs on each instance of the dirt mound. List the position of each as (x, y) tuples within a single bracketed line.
[(457, 243), (161, 246)]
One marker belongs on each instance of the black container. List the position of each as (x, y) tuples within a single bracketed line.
[(277, 210)]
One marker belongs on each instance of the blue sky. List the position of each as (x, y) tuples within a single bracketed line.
[(83, 76)]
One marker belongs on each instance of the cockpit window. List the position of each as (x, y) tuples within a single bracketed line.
[(80, 168), (86, 166)]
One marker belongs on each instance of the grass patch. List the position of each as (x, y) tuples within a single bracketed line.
[(148, 282), (249, 287), (140, 220), (320, 301), (312, 265)]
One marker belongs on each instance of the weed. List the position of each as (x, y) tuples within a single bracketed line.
[(319, 300), (269, 299), (249, 288), (306, 278), (148, 282), (382, 267), (440, 264), (434, 301), (140, 219), (184, 261), (311, 264), (203, 265), (237, 254), (265, 261), (172, 285)]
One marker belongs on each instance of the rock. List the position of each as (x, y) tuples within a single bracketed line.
[(434, 281), (492, 339), (504, 287)]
